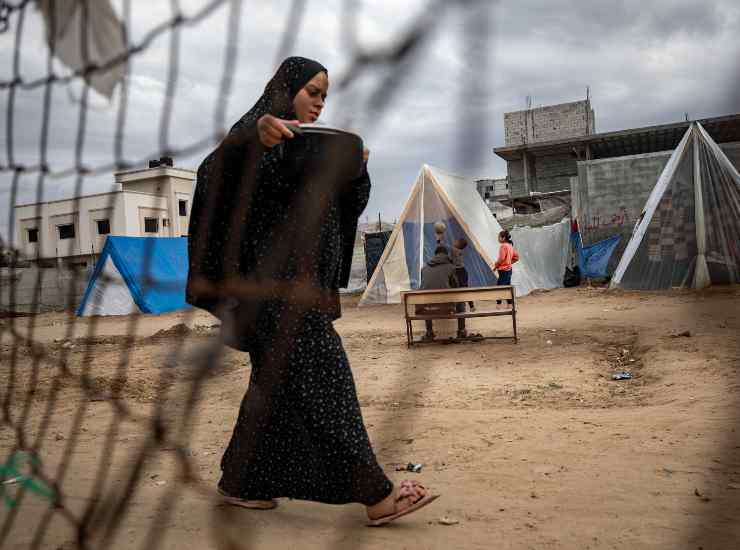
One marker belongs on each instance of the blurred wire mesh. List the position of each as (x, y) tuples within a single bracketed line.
[(90, 51)]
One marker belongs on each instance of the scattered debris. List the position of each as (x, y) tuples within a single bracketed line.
[(533, 495), (684, 334), (549, 342), (410, 467), (622, 376), (445, 520), (733, 485), (59, 437), (704, 498), (68, 344)]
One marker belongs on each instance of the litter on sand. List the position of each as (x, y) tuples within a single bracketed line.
[(410, 467), (622, 376)]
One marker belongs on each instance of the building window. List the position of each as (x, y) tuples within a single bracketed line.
[(165, 222), (103, 227), (151, 225), (183, 205), (33, 235), (66, 231)]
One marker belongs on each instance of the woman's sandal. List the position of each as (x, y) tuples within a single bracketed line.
[(407, 489), (250, 504)]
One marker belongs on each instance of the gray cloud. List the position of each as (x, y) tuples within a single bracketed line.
[(646, 63)]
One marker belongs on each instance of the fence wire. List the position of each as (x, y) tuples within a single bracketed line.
[(27, 419)]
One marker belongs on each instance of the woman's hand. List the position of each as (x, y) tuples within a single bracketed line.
[(273, 130), (365, 153)]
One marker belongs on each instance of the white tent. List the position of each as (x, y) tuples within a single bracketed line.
[(439, 196), (688, 234)]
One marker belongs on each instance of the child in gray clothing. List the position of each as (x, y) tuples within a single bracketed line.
[(458, 261)]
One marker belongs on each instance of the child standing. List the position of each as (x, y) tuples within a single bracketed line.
[(507, 256), (459, 262)]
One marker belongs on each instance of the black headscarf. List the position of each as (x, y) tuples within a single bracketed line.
[(248, 219)]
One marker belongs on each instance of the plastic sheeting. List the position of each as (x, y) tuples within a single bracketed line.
[(689, 230), (138, 274), (439, 196), (66, 22), (593, 260), (358, 271), (544, 251)]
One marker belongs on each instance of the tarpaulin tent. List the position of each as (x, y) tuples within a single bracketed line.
[(593, 259), (689, 230), (138, 275), (438, 196)]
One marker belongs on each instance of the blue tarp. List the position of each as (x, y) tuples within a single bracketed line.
[(594, 258), (155, 270)]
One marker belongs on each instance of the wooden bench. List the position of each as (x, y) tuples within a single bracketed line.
[(413, 298)]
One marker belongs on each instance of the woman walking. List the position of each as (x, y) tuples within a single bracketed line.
[(269, 249)]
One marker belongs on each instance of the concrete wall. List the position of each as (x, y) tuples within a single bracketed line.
[(552, 173), (549, 122), (59, 289), (547, 173), (610, 194), (515, 171), (138, 206)]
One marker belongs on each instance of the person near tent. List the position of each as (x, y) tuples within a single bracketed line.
[(268, 254), (437, 274), (507, 256), (456, 255), (439, 232)]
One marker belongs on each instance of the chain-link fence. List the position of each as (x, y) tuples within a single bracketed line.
[(37, 378)]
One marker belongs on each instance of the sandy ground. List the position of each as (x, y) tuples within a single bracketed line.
[(532, 445)]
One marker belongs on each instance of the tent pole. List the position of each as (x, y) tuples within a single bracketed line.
[(701, 270), (421, 224)]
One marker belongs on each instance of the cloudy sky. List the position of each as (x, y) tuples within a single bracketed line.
[(645, 63)]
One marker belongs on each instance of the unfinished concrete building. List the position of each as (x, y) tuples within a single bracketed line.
[(532, 168), (607, 177)]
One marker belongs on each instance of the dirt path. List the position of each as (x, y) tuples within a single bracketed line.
[(531, 445)]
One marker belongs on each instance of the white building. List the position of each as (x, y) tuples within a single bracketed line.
[(154, 201)]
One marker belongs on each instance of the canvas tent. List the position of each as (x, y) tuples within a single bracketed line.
[(138, 275), (454, 200), (688, 234)]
